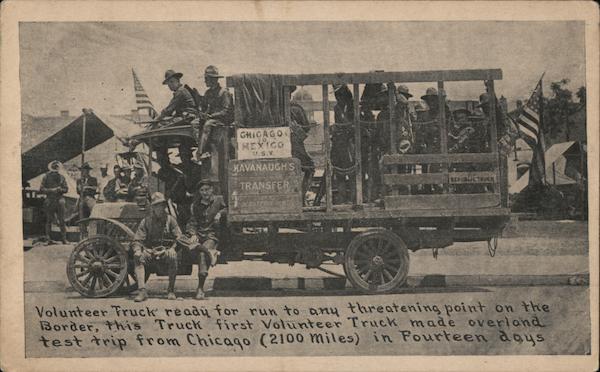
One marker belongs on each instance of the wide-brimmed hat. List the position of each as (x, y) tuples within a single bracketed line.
[(403, 89), (212, 71), (54, 165), (484, 99), (204, 181), (429, 92), (86, 165), (171, 73), (157, 198)]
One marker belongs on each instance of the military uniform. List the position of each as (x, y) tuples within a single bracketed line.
[(151, 233), (299, 127), (154, 242), (202, 226), (342, 145), (138, 189), (87, 188), (182, 192), (217, 107), (181, 103), (54, 186)]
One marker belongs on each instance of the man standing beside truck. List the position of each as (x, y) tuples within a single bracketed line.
[(54, 186), (87, 188)]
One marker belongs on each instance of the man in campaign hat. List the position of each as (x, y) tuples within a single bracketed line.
[(182, 102), (54, 186), (207, 211), (87, 188), (155, 241), (217, 111)]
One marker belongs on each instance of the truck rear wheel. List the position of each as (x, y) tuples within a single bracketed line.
[(376, 261)]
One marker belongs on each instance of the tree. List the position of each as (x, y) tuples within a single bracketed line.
[(581, 95), (559, 107)]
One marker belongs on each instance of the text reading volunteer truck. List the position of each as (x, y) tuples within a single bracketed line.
[(387, 181)]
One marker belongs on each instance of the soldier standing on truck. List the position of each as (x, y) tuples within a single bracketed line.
[(217, 111), (506, 132), (156, 230), (207, 211), (54, 186), (342, 145), (299, 127), (182, 103)]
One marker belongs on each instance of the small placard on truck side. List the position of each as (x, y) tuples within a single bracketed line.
[(265, 186), (263, 143)]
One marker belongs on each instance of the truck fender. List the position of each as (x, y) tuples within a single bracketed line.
[(120, 225)]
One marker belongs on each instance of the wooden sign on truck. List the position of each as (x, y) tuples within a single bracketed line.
[(265, 186)]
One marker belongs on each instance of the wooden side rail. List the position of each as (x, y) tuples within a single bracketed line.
[(440, 178), (383, 77), (442, 201), (439, 158)]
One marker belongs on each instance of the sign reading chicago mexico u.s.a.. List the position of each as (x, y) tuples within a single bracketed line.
[(263, 143), (265, 178)]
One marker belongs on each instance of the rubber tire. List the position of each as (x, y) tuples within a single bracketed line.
[(358, 241)]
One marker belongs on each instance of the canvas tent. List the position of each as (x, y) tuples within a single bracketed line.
[(64, 145), (557, 166)]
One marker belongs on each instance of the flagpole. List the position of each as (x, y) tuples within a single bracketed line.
[(541, 141)]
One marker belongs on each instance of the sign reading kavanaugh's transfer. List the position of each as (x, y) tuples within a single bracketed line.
[(264, 143), (265, 186)]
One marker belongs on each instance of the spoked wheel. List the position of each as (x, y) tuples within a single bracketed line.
[(97, 266), (376, 261)]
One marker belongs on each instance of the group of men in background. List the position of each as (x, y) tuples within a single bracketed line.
[(417, 132), (125, 186)]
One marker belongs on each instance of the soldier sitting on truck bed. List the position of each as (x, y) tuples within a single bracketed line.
[(216, 112), (154, 231), (206, 213), (183, 103)]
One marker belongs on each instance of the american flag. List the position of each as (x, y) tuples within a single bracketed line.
[(531, 129), (141, 98), (529, 118)]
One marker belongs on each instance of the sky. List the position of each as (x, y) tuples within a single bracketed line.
[(68, 66)]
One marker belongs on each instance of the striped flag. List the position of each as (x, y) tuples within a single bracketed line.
[(529, 119), (530, 124), (141, 98)]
